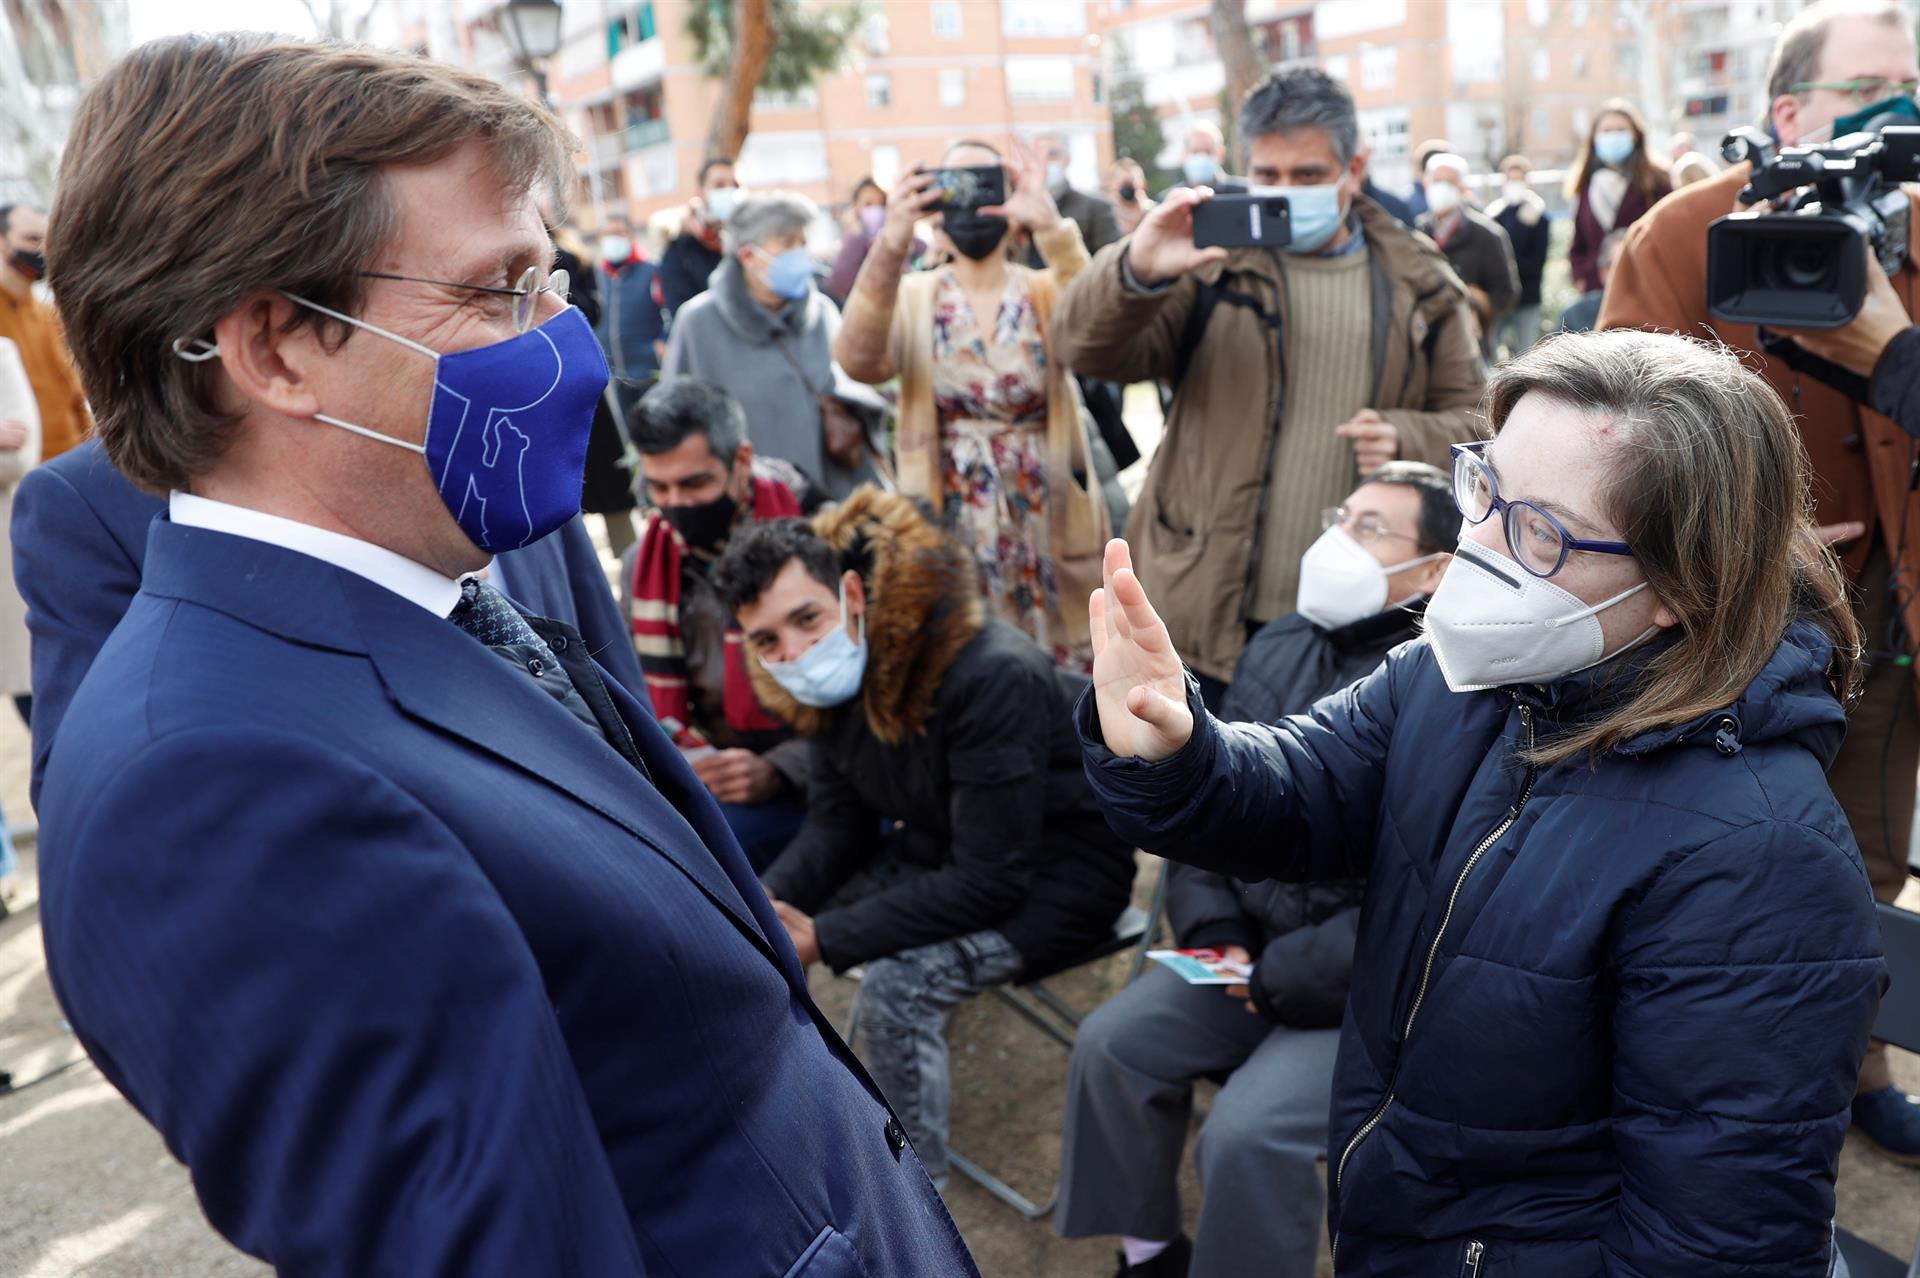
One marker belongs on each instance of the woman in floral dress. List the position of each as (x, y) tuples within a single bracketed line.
[(991, 432)]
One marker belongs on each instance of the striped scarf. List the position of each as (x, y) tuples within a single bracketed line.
[(655, 617)]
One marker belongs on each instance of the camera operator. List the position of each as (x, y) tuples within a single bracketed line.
[(1834, 67), (1383, 364)]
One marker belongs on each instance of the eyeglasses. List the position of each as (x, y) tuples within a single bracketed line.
[(1366, 528), (1539, 542), (525, 293), (1864, 91)]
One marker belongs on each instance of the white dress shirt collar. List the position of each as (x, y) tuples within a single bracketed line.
[(412, 581)]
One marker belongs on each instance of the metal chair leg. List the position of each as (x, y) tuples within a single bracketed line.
[(1033, 1015), (1155, 913), (1055, 1004), (1000, 1189)]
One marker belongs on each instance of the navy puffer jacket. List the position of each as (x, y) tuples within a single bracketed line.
[(1606, 1018)]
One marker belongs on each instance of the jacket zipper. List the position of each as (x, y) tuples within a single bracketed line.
[(1426, 973), (1471, 1267)]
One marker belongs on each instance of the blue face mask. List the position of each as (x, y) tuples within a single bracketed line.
[(1312, 211), (507, 429), (829, 673), (1614, 146), (791, 274), (1199, 169)]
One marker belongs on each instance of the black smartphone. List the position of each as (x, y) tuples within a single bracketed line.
[(1243, 221), (970, 188)]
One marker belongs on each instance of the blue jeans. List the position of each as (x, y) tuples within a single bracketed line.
[(900, 1028), (9, 860), (764, 829)]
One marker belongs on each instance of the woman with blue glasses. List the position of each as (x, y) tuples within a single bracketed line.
[(1618, 958)]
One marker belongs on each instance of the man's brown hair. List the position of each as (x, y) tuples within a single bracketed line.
[(204, 169)]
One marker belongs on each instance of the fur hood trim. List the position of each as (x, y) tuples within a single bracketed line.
[(923, 607)]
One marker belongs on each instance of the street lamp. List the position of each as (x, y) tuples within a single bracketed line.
[(531, 29)]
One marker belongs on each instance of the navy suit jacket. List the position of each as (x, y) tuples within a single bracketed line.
[(80, 534), (420, 976)]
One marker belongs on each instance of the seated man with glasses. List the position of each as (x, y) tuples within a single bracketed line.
[(1363, 588)]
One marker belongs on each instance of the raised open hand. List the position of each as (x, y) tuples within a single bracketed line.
[(1139, 683), (1029, 205)]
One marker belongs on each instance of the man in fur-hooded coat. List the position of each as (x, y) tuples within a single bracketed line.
[(951, 840)]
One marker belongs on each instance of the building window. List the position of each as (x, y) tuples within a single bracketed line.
[(1579, 14), (1539, 12), (1543, 65), (1040, 79), (946, 19), (631, 28), (1542, 128), (885, 160), (953, 88), (801, 99), (1337, 66), (879, 91), (874, 30), (1581, 62), (1043, 18), (1378, 66)]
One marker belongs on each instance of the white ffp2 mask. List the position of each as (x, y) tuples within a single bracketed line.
[(1493, 624), (1341, 582)]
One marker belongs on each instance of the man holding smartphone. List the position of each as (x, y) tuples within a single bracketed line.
[(1297, 368)]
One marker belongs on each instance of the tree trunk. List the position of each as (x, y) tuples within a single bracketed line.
[(752, 47), (1245, 67)]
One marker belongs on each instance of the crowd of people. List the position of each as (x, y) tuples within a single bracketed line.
[(1527, 726)]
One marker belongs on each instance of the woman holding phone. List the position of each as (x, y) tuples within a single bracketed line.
[(1618, 957), (991, 432)]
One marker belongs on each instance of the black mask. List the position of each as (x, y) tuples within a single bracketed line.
[(705, 526), (972, 234), (32, 265), (1128, 192)]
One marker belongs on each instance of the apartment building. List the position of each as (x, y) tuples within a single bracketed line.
[(1491, 76), (919, 73)]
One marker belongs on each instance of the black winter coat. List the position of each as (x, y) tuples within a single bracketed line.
[(989, 801), (1300, 934)]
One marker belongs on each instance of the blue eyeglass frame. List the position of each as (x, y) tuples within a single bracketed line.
[(1497, 505)]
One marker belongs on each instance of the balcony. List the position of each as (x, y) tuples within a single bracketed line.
[(639, 64), (646, 133)]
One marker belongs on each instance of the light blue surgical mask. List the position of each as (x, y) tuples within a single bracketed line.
[(1313, 211), (1199, 169), (829, 673), (1613, 146), (791, 274)]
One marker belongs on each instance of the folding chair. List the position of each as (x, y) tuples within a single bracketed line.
[(1899, 1024), (1053, 1016)]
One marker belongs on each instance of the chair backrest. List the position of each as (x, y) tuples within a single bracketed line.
[(1899, 1021)]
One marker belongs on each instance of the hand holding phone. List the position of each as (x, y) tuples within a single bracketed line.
[(1162, 247)]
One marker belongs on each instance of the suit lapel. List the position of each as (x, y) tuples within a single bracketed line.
[(441, 676)]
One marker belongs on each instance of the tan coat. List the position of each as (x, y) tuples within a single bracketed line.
[(1861, 460), (17, 403), (888, 330), (1195, 531)]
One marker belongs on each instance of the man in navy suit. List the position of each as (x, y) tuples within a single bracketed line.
[(407, 927), (80, 535)]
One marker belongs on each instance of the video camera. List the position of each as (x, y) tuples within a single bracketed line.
[(1799, 266)]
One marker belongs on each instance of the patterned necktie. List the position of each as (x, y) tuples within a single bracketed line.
[(484, 613)]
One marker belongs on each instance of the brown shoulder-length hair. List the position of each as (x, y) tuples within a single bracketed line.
[(1710, 487), (1646, 172), (205, 169)]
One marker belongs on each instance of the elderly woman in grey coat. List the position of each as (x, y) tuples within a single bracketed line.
[(763, 333)]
